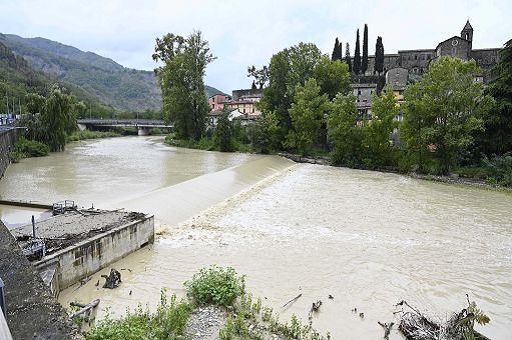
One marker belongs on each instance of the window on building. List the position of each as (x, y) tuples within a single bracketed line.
[(358, 92), (415, 57)]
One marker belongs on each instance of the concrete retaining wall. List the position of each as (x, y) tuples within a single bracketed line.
[(7, 140), (91, 255)]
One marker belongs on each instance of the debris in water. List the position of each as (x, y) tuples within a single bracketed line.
[(292, 300), (331, 297), (112, 280), (361, 315), (387, 328), (316, 306), (416, 326)]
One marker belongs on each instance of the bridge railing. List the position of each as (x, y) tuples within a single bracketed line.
[(133, 122)]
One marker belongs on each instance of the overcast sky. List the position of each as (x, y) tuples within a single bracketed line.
[(243, 33)]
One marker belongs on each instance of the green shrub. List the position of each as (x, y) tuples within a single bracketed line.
[(16, 156), (168, 322), (215, 285), (87, 134), (156, 131), (28, 148), (500, 169)]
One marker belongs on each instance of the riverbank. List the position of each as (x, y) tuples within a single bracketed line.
[(454, 178)]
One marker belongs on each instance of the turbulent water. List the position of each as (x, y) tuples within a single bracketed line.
[(369, 239)]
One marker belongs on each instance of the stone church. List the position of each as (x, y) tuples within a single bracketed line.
[(417, 61), (407, 65)]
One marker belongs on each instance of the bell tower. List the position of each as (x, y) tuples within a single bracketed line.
[(467, 32)]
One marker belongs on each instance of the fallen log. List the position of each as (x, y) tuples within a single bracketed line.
[(77, 304), (86, 308)]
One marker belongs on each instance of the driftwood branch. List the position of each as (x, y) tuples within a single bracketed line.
[(387, 328), (86, 308), (292, 300)]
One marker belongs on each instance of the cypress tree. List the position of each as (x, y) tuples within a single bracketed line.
[(348, 60), (357, 56), (340, 51), (379, 56), (335, 50), (364, 63)]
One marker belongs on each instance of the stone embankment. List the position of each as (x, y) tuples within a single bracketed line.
[(7, 140), (32, 312), (306, 159)]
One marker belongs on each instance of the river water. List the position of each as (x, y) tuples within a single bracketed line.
[(369, 239)]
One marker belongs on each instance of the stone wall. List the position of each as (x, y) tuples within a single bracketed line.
[(7, 140), (91, 255), (32, 313)]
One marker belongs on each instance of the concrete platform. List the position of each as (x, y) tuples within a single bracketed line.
[(81, 243)]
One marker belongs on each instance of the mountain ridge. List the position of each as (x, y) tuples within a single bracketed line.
[(103, 78)]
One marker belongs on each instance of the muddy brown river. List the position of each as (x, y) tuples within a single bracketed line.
[(367, 238)]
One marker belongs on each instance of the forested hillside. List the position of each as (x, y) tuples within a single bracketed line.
[(100, 77), (18, 78)]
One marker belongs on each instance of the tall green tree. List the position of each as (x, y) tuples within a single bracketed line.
[(181, 81), (357, 56), (288, 69), (443, 110), (377, 131), (343, 132), (308, 113), (364, 61), (379, 55), (335, 50), (260, 75), (34, 103), (348, 59), (56, 118), (497, 137), (224, 133), (332, 77), (264, 134)]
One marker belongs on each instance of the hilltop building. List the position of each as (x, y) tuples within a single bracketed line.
[(417, 61), (407, 65)]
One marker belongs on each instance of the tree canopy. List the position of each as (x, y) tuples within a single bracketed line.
[(443, 111), (181, 82)]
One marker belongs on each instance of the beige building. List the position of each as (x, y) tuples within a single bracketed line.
[(245, 101)]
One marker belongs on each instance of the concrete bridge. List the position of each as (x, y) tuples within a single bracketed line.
[(143, 125)]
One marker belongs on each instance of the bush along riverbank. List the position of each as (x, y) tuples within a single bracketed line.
[(87, 134), (25, 148), (217, 306)]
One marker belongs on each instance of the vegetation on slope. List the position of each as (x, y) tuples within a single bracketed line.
[(96, 76)]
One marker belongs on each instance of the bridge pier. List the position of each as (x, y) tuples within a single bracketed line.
[(143, 131)]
